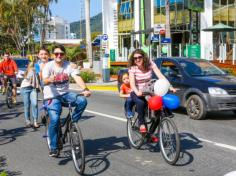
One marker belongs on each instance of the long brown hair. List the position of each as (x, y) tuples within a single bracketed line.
[(146, 60), (30, 66)]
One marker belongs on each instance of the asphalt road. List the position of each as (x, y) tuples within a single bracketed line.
[(208, 147)]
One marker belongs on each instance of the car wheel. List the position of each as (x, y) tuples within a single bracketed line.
[(195, 107)]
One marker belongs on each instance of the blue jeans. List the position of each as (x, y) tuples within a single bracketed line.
[(30, 98), (141, 104), (54, 110), (129, 103)]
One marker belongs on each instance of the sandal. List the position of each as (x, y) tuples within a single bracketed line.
[(36, 125)]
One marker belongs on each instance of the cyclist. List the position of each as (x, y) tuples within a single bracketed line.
[(140, 73), (56, 76), (9, 70)]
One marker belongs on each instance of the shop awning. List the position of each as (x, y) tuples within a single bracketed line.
[(220, 27)]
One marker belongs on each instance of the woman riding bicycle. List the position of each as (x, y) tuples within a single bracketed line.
[(140, 73)]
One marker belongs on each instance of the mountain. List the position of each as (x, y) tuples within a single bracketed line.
[(95, 25)]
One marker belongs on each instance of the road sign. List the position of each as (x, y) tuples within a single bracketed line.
[(105, 37), (166, 40), (155, 38), (158, 28)]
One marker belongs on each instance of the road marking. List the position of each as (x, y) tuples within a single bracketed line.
[(219, 144), (201, 139), (106, 115)]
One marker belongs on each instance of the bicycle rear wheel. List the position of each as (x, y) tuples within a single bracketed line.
[(77, 148), (9, 95), (135, 138), (169, 140)]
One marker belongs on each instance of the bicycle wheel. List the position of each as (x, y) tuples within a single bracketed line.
[(169, 140), (77, 148), (9, 95), (135, 138), (46, 135)]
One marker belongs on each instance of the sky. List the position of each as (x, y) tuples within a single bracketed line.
[(70, 9)]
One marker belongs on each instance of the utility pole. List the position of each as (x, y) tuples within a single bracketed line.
[(88, 33), (168, 35)]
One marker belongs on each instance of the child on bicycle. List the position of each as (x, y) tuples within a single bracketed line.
[(125, 93)]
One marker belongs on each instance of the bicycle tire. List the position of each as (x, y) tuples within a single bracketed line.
[(9, 95), (169, 143), (46, 136), (132, 131), (77, 148)]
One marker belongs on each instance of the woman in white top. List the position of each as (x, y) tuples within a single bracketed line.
[(29, 88)]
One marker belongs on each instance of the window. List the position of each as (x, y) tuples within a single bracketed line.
[(168, 68)]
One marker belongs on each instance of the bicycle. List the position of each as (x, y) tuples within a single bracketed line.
[(9, 93), (160, 124), (67, 129)]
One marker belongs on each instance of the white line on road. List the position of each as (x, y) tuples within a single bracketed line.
[(201, 139)]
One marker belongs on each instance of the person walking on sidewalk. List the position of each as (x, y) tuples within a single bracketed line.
[(56, 76), (29, 91)]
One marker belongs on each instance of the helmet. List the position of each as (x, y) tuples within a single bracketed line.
[(171, 101), (161, 87), (155, 103)]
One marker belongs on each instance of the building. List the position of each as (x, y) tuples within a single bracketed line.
[(58, 28), (137, 20)]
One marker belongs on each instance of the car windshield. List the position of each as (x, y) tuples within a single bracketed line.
[(22, 63), (201, 68)]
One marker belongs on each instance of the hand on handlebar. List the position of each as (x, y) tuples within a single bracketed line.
[(86, 93), (174, 89)]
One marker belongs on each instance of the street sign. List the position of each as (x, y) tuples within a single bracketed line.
[(105, 37), (166, 40), (155, 38), (158, 28)]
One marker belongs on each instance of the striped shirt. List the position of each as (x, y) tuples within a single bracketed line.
[(141, 77)]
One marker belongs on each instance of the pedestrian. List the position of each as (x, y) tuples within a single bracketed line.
[(140, 73), (30, 87), (125, 91)]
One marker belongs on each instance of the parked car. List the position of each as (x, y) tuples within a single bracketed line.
[(203, 87), (22, 64)]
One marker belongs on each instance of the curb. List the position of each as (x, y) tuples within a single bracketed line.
[(104, 88)]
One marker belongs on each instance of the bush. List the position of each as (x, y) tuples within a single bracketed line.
[(88, 76), (114, 70)]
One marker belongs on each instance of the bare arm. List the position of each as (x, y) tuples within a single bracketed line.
[(158, 73), (133, 86), (79, 81), (122, 95)]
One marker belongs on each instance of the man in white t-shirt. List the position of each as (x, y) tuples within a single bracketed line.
[(56, 76)]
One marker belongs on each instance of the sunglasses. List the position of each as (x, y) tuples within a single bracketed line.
[(59, 54), (139, 57)]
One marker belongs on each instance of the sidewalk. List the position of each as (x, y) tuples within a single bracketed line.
[(99, 86)]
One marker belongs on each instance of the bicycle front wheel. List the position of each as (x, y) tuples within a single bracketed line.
[(134, 136), (169, 140), (9, 95), (77, 148)]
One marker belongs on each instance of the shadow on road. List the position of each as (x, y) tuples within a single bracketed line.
[(10, 135), (188, 142), (3, 165), (9, 115), (96, 153)]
